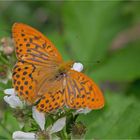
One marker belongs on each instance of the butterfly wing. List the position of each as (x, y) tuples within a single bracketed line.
[(33, 47), (27, 78), (53, 98), (82, 92), (23, 82), (37, 61)]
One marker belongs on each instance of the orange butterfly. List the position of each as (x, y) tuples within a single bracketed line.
[(41, 76)]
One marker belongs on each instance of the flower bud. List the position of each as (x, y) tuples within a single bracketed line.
[(43, 135), (78, 130), (7, 44)]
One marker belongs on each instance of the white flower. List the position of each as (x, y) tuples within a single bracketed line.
[(82, 111), (77, 67), (9, 91), (39, 117), (4, 80), (19, 135), (12, 99), (58, 125)]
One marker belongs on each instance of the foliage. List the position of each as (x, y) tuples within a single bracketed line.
[(85, 31)]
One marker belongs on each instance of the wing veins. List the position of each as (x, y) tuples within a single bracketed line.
[(36, 55), (40, 47), (68, 88), (36, 60), (41, 53), (73, 88), (76, 86)]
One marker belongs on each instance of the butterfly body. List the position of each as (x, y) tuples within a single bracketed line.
[(42, 77), (65, 67)]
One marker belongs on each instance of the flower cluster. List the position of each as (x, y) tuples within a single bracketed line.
[(44, 131)]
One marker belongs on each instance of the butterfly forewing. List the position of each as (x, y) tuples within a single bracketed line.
[(82, 92), (33, 47)]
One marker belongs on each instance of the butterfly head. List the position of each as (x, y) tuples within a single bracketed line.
[(66, 66)]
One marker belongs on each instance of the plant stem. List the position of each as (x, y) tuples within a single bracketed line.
[(64, 135), (3, 59)]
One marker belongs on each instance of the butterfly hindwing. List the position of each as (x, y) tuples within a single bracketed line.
[(53, 96), (82, 92), (23, 82), (51, 102)]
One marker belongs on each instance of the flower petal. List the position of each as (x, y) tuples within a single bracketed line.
[(18, 135), (9, 91), (58, 125), (82, 111), (39, 117), (4, 81), (13, 101), (77, 67)]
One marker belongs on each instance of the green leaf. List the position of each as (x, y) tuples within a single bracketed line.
[(8, 124), (120, 118), (124, 65), (4, 134), (3, 87), (59, 43), (90, 26)]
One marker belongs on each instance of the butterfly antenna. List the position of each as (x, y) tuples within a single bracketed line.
[(90, 65)]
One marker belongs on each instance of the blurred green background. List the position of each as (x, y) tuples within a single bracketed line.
[(105, 37)]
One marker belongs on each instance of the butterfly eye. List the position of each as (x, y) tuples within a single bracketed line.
[(61, 74), (56, 76)]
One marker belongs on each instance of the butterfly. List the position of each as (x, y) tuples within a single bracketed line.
[(42, 78)]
